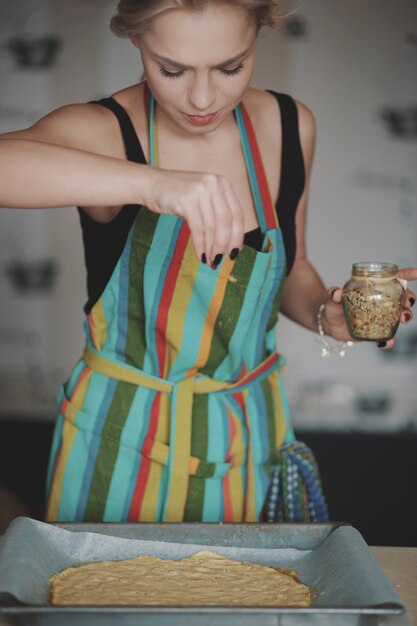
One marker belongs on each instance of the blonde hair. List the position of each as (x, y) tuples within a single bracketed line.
[(133, 17)]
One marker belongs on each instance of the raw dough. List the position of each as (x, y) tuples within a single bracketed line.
[(204, 579)]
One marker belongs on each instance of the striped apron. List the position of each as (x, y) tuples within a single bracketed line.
[(177, 411)]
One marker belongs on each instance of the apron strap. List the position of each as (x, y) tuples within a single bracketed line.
[(118, 370), (179, 451), (265, 209), (153, 133)]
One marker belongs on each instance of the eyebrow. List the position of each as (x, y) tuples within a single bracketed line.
[(235, 59)]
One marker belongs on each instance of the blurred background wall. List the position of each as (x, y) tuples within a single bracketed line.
[(354, 64)]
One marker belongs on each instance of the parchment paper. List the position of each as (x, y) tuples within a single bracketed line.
[(342, 571)]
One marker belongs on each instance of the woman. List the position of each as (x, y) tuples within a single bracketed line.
[(176, 411)]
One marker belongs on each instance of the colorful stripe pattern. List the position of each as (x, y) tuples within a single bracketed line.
[(177, 409)]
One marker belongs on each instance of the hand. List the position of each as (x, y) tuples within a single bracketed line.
[(333, 319), (207, 202), (334, 323), (409, 273)]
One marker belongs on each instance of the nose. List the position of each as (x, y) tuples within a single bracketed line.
[(202, 92)]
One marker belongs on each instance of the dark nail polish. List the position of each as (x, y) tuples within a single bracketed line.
[(203, 258), (412, 301), (213, 267), (217, 259), (234, 253), (407, 317), (381, 344)]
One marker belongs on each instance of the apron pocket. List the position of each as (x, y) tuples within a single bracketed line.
[(152, 449)]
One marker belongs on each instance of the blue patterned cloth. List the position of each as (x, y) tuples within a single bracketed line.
[(295, 492)]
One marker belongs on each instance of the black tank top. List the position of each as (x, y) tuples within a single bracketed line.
[(104, 242)]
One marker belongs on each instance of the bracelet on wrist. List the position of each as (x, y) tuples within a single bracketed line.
[(326, 348)]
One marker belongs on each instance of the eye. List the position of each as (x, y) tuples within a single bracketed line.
[(165, 72), (232, 72)]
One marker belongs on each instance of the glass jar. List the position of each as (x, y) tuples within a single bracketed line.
[(373, 300)]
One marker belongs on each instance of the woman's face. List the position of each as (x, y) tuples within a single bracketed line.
[(198, 64)]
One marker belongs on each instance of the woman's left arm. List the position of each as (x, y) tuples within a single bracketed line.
[(304, 290)]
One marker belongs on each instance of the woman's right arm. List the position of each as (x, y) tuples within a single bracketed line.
[(75, 157), (64, 160)]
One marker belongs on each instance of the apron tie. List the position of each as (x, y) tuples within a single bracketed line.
[(182, 392), (179, 450)]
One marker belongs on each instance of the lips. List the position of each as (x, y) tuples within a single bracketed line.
[(201, 120)]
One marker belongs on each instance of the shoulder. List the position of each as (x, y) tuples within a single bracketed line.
[(264, 111), (306, 122), (307, 131), (132, 99), (262, 107), (81, 126), (132, 96)]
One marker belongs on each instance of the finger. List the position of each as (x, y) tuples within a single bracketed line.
[(409, 273), (335, 293), (209, 228), (410, 299), (406, 316), (222, 227), (237, 230), (195, 223), (216, 229), (386, 345), (206, 239)]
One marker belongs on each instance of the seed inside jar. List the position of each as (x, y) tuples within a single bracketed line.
[(372, 317)]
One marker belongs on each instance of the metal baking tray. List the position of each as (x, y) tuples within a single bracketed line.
[(348, 585)]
